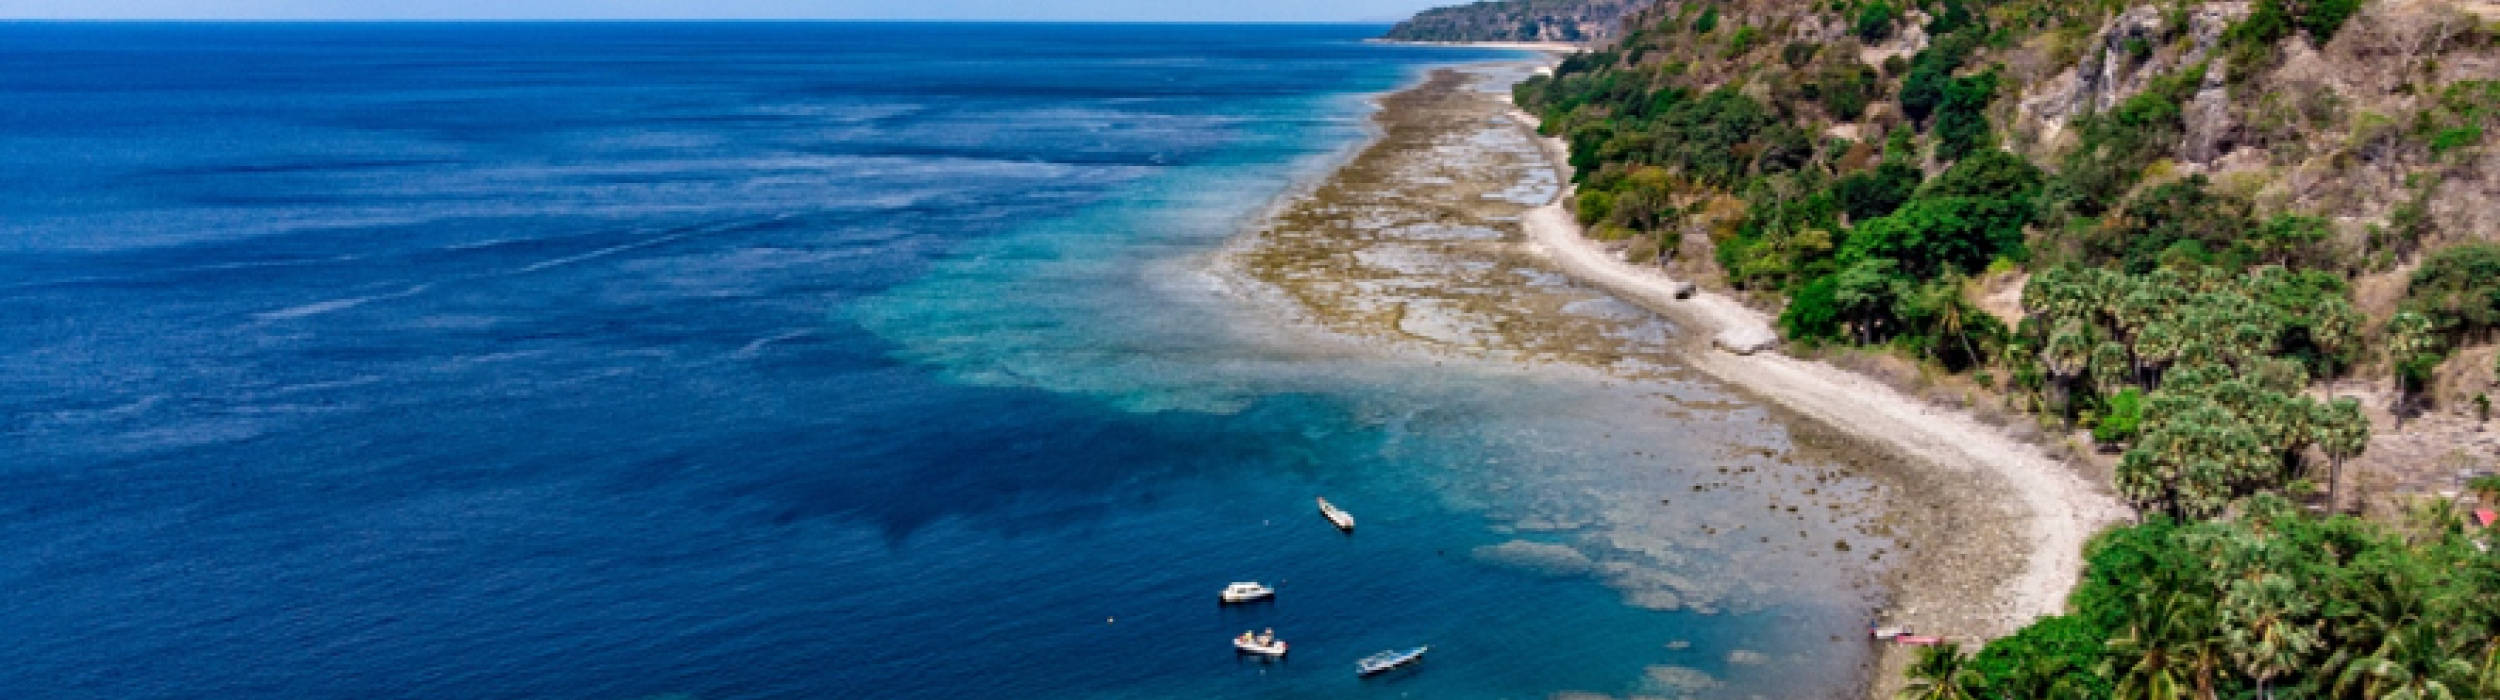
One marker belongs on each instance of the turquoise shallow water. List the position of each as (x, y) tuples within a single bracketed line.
[(790, 361)]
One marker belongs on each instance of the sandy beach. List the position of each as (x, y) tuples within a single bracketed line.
[(1993, 526), (2061, 508)]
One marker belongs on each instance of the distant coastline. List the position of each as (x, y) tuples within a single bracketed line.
[(1558, 47)]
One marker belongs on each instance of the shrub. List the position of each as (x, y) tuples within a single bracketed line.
[(1595, 206), (1813, 313), (1742, 41), (2455, 137), (1961, 120), (1874, 193), (2459, 288), (1708, 22), (2181, 221), (1953, 17), (2125, 419), (1798, 53), (1844, 89), (1875, 21)]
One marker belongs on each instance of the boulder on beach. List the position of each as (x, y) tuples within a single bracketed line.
[(1746, 340), (1685, 290)]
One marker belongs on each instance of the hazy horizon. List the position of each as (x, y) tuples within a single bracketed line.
[(1277, 11)]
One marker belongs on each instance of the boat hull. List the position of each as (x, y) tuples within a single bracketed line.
[(1377, 664), (1336, 516)]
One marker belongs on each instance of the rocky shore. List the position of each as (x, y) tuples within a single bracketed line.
[(1447, 235)]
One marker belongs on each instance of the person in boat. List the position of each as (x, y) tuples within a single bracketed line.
[(1267, 637), (1247, 638)]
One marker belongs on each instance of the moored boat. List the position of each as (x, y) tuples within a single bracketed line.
[(1335, 515), (1264, 644), (1245, 591), (1389, 660)]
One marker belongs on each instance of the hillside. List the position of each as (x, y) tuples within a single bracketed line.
[(1572, 21), (2237, 257)]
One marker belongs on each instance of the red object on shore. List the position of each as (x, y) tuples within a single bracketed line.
[(2484, 517), (1918, 640)]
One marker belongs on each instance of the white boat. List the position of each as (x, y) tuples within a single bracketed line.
[(1337, 516), (1246, 591), (1260, 645), (1389, 660)]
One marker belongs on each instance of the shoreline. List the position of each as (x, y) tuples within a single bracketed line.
[(1973, 561), (2060, 510), (1551, 47)]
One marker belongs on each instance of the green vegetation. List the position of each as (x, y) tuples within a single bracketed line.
[(1516, 20), (1875, 21), (2268, 604), (2176, 318), (2252, 43)]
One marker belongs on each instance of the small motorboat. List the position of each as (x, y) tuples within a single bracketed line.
[(1336, 516), (1389, 660), (1245, 592), (1260, 644), (1918, 640), (1887, 633)]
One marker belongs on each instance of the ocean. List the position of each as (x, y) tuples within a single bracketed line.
[(807, 360)]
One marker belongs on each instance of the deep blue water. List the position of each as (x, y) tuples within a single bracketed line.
[(782, 361)]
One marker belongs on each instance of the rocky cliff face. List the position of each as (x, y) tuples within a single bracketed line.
[(1570, 21), (2124, 57)]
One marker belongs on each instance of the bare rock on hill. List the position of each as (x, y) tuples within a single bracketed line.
[(1570, 21), (2129, 52)]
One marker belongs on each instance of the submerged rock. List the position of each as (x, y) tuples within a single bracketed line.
[(1540, 557)]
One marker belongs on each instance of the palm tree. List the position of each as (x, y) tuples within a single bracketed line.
[(1940, 674), (2343, 433), (2265, 618), (2409, 665), (2166, 652), (2157, 346), (2109, 367), (2410, 338), (2336, 330)]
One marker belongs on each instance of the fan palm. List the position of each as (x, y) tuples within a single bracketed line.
[(1940, 674), (2166, 652)]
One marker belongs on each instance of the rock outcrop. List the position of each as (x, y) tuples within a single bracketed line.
[(2129, 52)]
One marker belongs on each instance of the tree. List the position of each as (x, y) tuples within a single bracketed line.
[(1874, 193), (2165, 651), (1814, 313), (1941, 674), (2412, 352), (1962, 117), (2412, 664), (1865, 293), (2266, 619), (2458, 288), (2342, 432)]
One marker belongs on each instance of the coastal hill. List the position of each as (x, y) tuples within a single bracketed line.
[(2238, 260), (1568, 21)]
